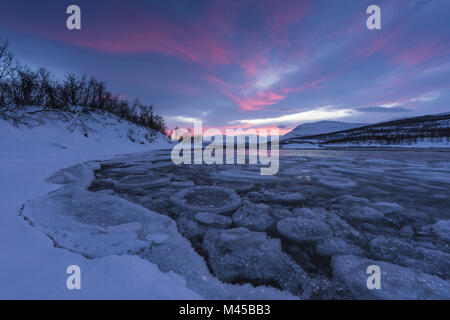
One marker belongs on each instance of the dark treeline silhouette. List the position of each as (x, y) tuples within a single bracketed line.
[(20, 86)]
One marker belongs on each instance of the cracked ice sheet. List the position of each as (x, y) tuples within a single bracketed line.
[(99, 225)]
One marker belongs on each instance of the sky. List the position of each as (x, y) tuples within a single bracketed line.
[(247, 64)]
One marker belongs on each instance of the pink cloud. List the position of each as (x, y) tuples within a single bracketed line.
[(258, 101), (255, 63), (158, 36), (253, 101), (422, 53), (399, 51), (315, 85), (216, 81), (270, 129), (205, 41), (197, 41), (279, 17), (377, 43)]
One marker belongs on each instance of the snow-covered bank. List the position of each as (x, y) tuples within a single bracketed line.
[(30, 266), (421, 143), (305, 145)]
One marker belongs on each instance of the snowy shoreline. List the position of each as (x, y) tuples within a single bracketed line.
[(417, 146), (32, 268)]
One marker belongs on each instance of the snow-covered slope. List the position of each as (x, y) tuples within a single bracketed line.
[(320, 127), (422, 132), (31, 267), (79, 127)]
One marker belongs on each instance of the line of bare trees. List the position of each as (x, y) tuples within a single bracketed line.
[(20, 86)]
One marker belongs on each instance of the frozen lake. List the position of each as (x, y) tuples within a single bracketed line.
[(310, 231), (417, 179)]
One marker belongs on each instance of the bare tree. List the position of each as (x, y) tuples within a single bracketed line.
[(71, 89), (20, 86), (47, 95), (6, 60), (24, 87)]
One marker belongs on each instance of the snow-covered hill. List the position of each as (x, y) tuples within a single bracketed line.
[(423, 131), (77, 126), (320, 127)]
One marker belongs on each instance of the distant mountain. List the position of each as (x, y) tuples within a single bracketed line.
[(429, 130), (320, 127)]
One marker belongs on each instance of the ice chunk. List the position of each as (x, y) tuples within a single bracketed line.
[(96, 224), (286, 198), (442, 229), (411, 254), (82, 174), (213, 220), (396, 282), (300, 229), (339, 226), (207, 199), (280, 213), (242, 255), (337, 246), (190, 228), (255, 217), (358, 214), (387, 207), (407, 231), (187, 263)]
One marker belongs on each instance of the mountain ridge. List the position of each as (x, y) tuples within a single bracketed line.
[(319, 127), (428, 128)]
